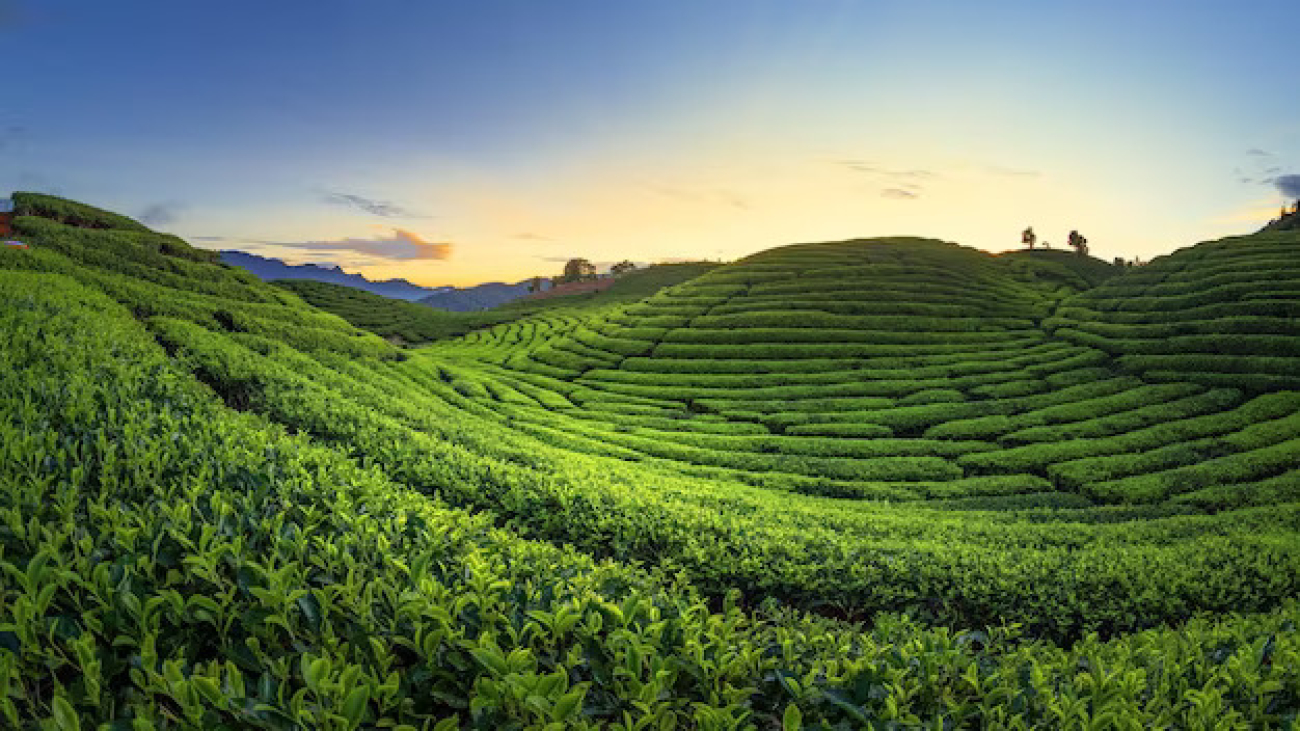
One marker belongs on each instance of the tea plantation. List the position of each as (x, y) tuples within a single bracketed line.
[(888, 483)]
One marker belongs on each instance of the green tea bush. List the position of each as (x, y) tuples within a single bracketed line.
[(464, 536), (71, 213)]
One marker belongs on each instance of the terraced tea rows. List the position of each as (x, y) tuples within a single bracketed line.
[(169, 562), (1221, 314), (900, 370)]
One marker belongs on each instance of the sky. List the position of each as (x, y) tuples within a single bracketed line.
[(451, 143)]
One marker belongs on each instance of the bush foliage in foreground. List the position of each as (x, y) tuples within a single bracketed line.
[(169, 562)]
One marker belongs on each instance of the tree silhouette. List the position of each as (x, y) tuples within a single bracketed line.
[(578, 270), (622, 268), (1078, 243), (1029, 238)]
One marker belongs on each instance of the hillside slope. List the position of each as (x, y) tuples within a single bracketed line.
[(412, 324), (221, 507), (925, 383), (792, 356), (1065, 267), (401, 322), (1221, 313), (479, 297)]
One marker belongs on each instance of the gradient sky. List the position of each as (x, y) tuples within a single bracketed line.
[(460, 142)]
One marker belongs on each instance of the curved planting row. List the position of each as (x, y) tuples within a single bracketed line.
[(170, 562), (723, 373), (1221, 313), (953, 390)]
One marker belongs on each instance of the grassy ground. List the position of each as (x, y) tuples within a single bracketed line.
[(222, 507)]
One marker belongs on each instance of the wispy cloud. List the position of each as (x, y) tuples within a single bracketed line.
[(384, 209), (865, 166), (899, 184), (529, 236), (403, 245), (1261, 168), (898, 193), (161, 214)]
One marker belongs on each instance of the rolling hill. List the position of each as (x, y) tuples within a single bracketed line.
[(479, 297), (408, 323), (399, 321), (888, 483)]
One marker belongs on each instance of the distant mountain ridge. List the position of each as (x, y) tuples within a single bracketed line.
[(268, 269), (480, 297)]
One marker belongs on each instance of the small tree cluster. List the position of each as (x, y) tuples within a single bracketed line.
[(1078, 243), (577, 270), (1076, 240)]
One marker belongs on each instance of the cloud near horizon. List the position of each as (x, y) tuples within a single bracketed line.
[(403, 245)]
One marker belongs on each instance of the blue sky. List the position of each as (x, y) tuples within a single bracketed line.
[(453, 143)]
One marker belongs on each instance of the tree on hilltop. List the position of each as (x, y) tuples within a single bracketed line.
[(622, 268), (1029, 238), (1078, 243), (578, 270)]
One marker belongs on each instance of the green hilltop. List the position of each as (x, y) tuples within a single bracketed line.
[(881, 483)]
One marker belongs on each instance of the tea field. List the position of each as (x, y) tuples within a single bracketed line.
[(408, 323), (886, 483)]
